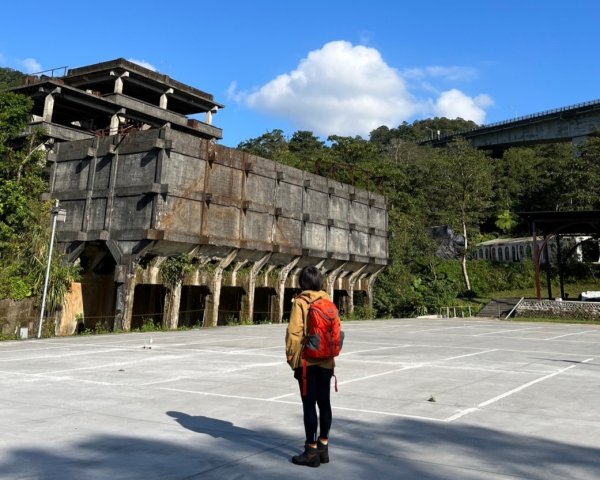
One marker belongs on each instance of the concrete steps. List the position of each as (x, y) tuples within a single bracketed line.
[(498, 307)]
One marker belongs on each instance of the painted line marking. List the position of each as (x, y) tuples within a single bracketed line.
[(241, 397), (511, 392), (569, 334), (505, 331)]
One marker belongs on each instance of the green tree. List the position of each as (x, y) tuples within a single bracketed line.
[(24, 218), (461, 187)]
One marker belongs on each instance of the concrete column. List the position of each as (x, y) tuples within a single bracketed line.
[(119, 81), (247, 312), (351, 282), (330, 279), (280, 290), (211, 309), (48, 108), (114, 124), (370, 283), (125, 280), (170, 318), (164, 99), (210, 114)]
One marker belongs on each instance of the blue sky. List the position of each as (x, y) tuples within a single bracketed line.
[(333, 67)]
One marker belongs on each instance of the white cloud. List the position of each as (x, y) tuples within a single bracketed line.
[(350, 90), (454, 103), (452, 74), (31, 65), (143, 63), (339, 89)]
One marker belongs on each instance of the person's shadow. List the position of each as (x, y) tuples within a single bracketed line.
[(223, 429)]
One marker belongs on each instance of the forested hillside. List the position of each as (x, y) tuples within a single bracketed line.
[(474, 193)]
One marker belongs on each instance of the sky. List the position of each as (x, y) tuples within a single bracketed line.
[(328, 66)]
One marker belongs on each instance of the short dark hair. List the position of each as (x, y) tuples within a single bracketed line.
[(311, 279)]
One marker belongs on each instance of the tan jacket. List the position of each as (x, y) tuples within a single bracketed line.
[(296, 330)]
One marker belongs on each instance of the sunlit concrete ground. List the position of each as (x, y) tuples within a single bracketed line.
[(418, 399)]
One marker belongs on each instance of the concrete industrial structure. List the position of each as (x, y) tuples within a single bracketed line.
[(142, 183)]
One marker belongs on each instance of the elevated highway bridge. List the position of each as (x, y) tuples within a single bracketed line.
[(568, 124)]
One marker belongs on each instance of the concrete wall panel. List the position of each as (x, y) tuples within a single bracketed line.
[(181, 215), (225, 181), (72, 175), (132, 212), (377, 218), (258, 226), (74, 219), (222, 222), (97, 214), (359, 243), (260, 189), (183, 172), (289, 197), (359, 213), (337, 240), (137, 168), (315, 237), (288, 232), (102, 176), (338, 208)]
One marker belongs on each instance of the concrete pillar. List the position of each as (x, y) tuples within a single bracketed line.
[(125, 280), (247, 312), (170, 320), (48, 108), (280, 290), (351, 282), (119, 81), (114, 124), (164, 99), (211, 309), (209, 115), (330, 279), (370, 283)]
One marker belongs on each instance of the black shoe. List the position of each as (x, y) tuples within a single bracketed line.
[(310, 457), (323, 452)]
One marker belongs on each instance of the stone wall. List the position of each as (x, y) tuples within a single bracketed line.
[(559, 309)]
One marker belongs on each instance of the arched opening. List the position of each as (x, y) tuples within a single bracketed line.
[(148, 305), (98, 288), (230, 305), (263, 304), (339, 298), (191, 306), (288, 295)]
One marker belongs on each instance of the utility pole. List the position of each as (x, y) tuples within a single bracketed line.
[(60, 215)]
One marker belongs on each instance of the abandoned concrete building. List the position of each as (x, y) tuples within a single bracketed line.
[(141, 183)]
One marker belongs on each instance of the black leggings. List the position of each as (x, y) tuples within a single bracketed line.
[(318, 382)]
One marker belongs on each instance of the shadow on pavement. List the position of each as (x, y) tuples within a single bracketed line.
[(400, 448)]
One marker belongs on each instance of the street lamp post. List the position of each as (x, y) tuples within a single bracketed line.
[(58, 215)]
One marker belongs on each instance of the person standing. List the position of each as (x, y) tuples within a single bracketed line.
[(315, 388)]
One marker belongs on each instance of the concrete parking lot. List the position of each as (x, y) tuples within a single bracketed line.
[(418, 399)]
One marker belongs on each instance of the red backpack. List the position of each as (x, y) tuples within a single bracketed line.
[(323, 336)]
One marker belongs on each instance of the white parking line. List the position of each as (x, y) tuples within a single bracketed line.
[(569, 334), (505, 331), (511, 392)]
